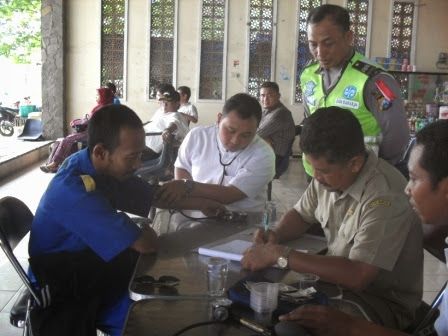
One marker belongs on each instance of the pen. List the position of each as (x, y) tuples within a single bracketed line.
[(256, 327)]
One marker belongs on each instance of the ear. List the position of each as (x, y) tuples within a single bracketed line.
[(443, 185), (99, 153), (219, 117), (356, 163), (349, 37)]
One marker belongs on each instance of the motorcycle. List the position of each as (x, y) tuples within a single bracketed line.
[(7, 116)]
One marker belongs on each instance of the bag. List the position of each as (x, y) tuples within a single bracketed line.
[(80, 125)]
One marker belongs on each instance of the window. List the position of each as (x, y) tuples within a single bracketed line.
[(401, 33), (162, 44), (261, 41), (401, 38), (303, 53), (113, 43), (360, 22), (213, 39)]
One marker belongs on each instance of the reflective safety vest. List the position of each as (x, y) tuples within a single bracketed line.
[(347, 93)]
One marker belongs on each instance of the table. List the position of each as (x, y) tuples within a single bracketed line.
[(170, 309)]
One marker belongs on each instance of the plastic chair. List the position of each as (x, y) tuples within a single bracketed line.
[(32, 130), (155, 168), (15, 223)]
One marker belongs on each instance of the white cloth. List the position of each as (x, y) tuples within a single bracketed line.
[(189, 109), (159, 123), (250, 172)]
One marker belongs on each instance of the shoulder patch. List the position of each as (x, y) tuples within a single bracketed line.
[(376, 203), (366, 68), (89, 182)]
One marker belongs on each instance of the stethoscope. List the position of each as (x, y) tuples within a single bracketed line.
[(224, 165)]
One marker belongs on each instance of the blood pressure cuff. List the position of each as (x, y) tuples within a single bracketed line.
[(240, 294)]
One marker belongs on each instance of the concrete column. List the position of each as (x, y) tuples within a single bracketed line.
[(53, 68)]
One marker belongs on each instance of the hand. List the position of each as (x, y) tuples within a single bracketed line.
[(261, 256), (211, 208), (259, 237), (171, 191), (321, 320), (166, 136)]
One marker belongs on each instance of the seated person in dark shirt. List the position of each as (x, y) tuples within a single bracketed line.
[(80, 243)]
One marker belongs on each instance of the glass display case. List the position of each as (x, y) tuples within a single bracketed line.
[(425, 95)]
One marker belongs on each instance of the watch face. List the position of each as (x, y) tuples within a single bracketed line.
[(282, 262)]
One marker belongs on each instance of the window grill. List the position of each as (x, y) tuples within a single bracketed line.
[(212, 49), (113, 28)]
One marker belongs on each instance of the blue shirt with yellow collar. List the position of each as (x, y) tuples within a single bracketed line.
[(79, 210)]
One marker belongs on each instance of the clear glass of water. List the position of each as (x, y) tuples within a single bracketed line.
[(216, 275)]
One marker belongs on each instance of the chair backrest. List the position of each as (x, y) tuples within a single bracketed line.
[(15, 222), (32, 130), (157, 166), (284, 164)]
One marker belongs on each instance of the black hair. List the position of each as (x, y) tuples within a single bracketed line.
[(333, 133), (270, 85), (105, 125), (111, 86), (175, 96), (165, 88), (434, 159), (185, 90), (337, 14), (244, 105)]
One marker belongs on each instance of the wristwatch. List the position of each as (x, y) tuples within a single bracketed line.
[(282, 262), (188, 184)]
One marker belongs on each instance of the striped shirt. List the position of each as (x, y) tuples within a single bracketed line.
[(278, 125)]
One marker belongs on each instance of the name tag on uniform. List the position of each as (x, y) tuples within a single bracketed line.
[(347, 103)]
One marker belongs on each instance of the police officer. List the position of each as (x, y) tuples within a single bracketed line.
[(339, 76)]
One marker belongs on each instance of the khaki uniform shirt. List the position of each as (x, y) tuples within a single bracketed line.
[(373, 222)]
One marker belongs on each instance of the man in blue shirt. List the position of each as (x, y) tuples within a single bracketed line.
[(79, 240)]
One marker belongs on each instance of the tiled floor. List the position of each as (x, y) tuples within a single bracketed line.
[(29, 185)]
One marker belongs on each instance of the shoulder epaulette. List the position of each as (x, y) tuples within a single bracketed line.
[(366, 68), (89, 182)]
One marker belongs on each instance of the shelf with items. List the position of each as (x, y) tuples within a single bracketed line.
[(424, 94)]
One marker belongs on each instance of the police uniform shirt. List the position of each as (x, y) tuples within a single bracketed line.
[(79, 211), (373, 222), (392, 121)]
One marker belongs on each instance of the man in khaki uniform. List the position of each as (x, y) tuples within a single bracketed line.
[(374, 238)]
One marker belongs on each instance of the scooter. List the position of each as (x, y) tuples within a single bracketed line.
[(7, 116)]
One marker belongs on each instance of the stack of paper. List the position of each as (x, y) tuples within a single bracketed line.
[(232, 250)]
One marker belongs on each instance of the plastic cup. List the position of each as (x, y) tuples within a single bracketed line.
[(264, 297), (308, 280), (216, 274)]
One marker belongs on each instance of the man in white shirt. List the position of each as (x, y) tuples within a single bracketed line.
[(169, 122), (188, 110), (227, 162)]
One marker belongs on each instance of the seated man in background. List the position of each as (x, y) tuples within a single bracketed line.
[(374, 238), (188, 110), (277, 125), (81, 247), (228, 162), (169, 122), (111, 86), (428, 192)]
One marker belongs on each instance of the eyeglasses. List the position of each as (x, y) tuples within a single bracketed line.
[(164, 280)]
